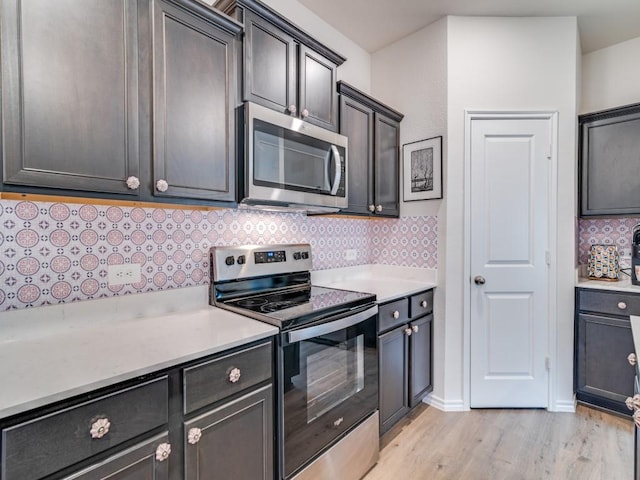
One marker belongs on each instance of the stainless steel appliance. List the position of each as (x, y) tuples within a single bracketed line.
[(327, 360), (292, 164)]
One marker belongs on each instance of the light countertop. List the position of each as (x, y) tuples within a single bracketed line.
[(52, 353), (622, 285), (387, 282)]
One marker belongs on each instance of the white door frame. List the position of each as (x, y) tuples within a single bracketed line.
[(552, 116)]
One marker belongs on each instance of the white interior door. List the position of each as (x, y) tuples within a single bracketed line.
[(510, 178)]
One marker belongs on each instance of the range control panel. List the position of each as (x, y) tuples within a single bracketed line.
[(233, 263)]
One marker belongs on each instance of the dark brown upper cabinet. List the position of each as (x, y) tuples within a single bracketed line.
[(130, 99), (609, 152), (194, 101), (285, 69), (373, 158), (70, 94)]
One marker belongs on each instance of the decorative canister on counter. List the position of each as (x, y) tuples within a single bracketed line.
[(604, 263)]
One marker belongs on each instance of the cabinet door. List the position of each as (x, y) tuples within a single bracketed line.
[(420, 361), (356, 122), (234, 441), (70, 94), (387, 166), (394, 362), (194, 100), (318, 94), (270, 65), (603, 374), (142, 461)]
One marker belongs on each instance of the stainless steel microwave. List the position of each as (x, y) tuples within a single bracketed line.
[(290, 164)]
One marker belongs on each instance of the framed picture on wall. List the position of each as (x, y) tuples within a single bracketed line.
[(422, 169)]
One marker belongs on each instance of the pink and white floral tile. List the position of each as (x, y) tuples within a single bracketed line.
[(55, 252), (608, 231)]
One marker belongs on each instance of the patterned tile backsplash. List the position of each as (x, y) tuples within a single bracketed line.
[(608, 231), (54, 252)]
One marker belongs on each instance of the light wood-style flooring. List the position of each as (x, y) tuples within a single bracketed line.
[(507, 444)]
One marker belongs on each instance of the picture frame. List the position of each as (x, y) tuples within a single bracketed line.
[(422, 169)]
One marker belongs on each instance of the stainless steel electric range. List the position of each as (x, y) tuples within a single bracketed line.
[(326, 362)]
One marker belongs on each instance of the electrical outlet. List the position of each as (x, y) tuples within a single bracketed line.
[(124, 273), (350, 254)]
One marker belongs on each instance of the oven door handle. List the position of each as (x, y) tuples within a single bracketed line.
[(330, 327)]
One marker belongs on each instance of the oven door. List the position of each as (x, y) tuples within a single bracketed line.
[(329, 383)]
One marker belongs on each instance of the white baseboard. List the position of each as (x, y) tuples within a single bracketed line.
[(445, 406), (564, 406)]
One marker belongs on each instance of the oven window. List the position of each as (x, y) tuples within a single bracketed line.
[(334, 374)]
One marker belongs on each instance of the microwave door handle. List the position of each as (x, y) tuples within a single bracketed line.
[(338, 165)]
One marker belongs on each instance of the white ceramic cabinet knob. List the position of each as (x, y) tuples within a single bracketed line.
[(194, 435), (633, 403), (632, 359), (408, 332), (378, 208), (622, 305), (396, 314), (304, 113), (100, 428), (415, 328), (292, 109), (234, 375), (162, 185), (372, 208), (133, 183), (636, 418), (423, 304), (163, 451)]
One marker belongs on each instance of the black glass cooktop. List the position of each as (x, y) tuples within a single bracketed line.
[(294, 307)]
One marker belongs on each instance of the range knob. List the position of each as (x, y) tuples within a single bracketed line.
[(297, 255), (229, 260), (305, 255), (241, 260)]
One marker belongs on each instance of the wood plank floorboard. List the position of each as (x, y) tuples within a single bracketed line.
[(507, 445)]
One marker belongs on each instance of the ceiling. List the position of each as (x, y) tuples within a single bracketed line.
[(374, 24)]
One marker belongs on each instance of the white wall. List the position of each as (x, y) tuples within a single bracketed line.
[(411, 76), (510, 64), (611, 77), (357, 69)]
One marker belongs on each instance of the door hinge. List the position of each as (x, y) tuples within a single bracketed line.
[(547, 257), (547, 363)]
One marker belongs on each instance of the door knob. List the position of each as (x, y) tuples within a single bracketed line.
[(479, 280)]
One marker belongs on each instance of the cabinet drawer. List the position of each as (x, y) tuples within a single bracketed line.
[(209, 382), (387, 316), (421, 304), (612, 303), (47, 444)]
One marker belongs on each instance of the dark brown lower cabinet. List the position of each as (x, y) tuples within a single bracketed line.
[(233, 441), (405, 355), (603, 376), (393, 354), (136, 463)]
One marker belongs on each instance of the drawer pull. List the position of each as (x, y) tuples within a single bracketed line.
[(408, 332), (415, 328), (163, 451), (622, 305), (396, 314), (632, 359), (194, 435), (633, 403), (100, 428), (423, 304), (234, 375)]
